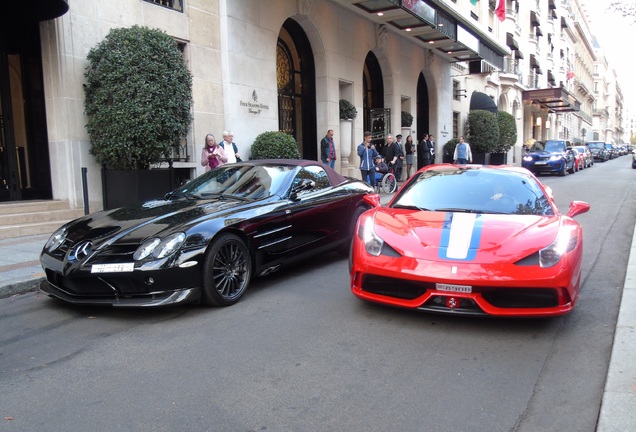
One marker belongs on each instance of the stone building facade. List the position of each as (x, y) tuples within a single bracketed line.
[(263, 65)]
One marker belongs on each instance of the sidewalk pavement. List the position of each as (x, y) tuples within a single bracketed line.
[(20, 272)]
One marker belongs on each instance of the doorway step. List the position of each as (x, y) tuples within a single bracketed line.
[(27, 218)]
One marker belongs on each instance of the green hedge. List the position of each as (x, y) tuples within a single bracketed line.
[(138, 98), (483, 131), (275, 145), (507, 132)]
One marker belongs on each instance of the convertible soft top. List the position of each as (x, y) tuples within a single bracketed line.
[(334, 177)]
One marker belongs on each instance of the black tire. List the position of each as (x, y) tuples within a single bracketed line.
[(227, 270), (344, 249), (564, 170)]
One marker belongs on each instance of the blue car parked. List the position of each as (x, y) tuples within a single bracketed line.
[(555, 158)]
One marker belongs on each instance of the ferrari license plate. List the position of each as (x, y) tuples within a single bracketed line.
[(113, 268), (539, 163), (454, 288)]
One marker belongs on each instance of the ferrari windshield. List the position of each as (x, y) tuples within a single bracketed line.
[(474, 190), (238, 181)]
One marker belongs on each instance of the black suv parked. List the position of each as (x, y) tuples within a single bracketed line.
[(598, 150)]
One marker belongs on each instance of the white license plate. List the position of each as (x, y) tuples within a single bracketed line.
[(454, 288), (113, 268), (540, 163)]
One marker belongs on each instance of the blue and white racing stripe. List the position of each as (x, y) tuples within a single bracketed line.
[(460, 236)]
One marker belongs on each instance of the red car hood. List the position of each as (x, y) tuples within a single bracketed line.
[(477, 238)]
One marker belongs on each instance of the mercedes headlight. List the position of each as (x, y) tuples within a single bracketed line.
[(56, 239), (159, 248)]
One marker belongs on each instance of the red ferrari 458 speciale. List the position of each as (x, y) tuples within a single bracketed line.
[(475, 240)]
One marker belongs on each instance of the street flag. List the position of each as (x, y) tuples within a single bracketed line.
[(474, 2), (501, 10), (569, 75)]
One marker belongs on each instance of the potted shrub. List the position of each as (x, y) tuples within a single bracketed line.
[(507, 138), (275, 145), (482, 134), (407, 119), (138, 98), (347, 110), (449, 150), (348, 113)]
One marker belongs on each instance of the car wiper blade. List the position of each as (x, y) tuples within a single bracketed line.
[(204, 196), (409, 207), (239, 198), (457, 210), (494, 212), (194, 196)]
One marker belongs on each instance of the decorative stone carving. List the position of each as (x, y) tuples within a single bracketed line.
[(429, 57), (381, 36), (304, 6)]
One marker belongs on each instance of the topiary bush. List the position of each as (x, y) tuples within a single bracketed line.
[(449, 147), (507, 132), (449, 150), (347, 110), (275, 145), (138, 98), (482, 131)]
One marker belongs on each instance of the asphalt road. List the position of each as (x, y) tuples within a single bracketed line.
[(300, 353)]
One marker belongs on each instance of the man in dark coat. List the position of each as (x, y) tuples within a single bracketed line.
[(423, 153), (431, 147)]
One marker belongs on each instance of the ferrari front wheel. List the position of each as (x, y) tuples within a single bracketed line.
[(227, 269)]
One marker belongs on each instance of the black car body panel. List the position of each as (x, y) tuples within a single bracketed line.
[(267, 208)]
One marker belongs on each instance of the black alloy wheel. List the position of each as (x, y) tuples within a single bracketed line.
[(227, 270)]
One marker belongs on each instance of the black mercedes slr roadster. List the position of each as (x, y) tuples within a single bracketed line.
[(207, 239)]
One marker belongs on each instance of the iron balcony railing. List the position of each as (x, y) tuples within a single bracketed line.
[(170, 4)]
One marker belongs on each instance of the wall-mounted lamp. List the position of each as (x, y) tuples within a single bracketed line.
[(547, 124), (519, 113), (444, 132), (460, 93), (538, 123)]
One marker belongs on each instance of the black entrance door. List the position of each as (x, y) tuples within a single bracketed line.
[(25, 171)]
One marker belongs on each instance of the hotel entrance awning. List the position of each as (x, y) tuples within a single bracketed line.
[(434, 26), (555, 99), (18, 18)]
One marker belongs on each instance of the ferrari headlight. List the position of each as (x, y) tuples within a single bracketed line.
[(565, 242), (372, 243), (159, 248), (527, 158), (56, 239)]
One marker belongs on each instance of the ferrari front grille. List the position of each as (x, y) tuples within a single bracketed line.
[(522, 297), (391, 287)]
